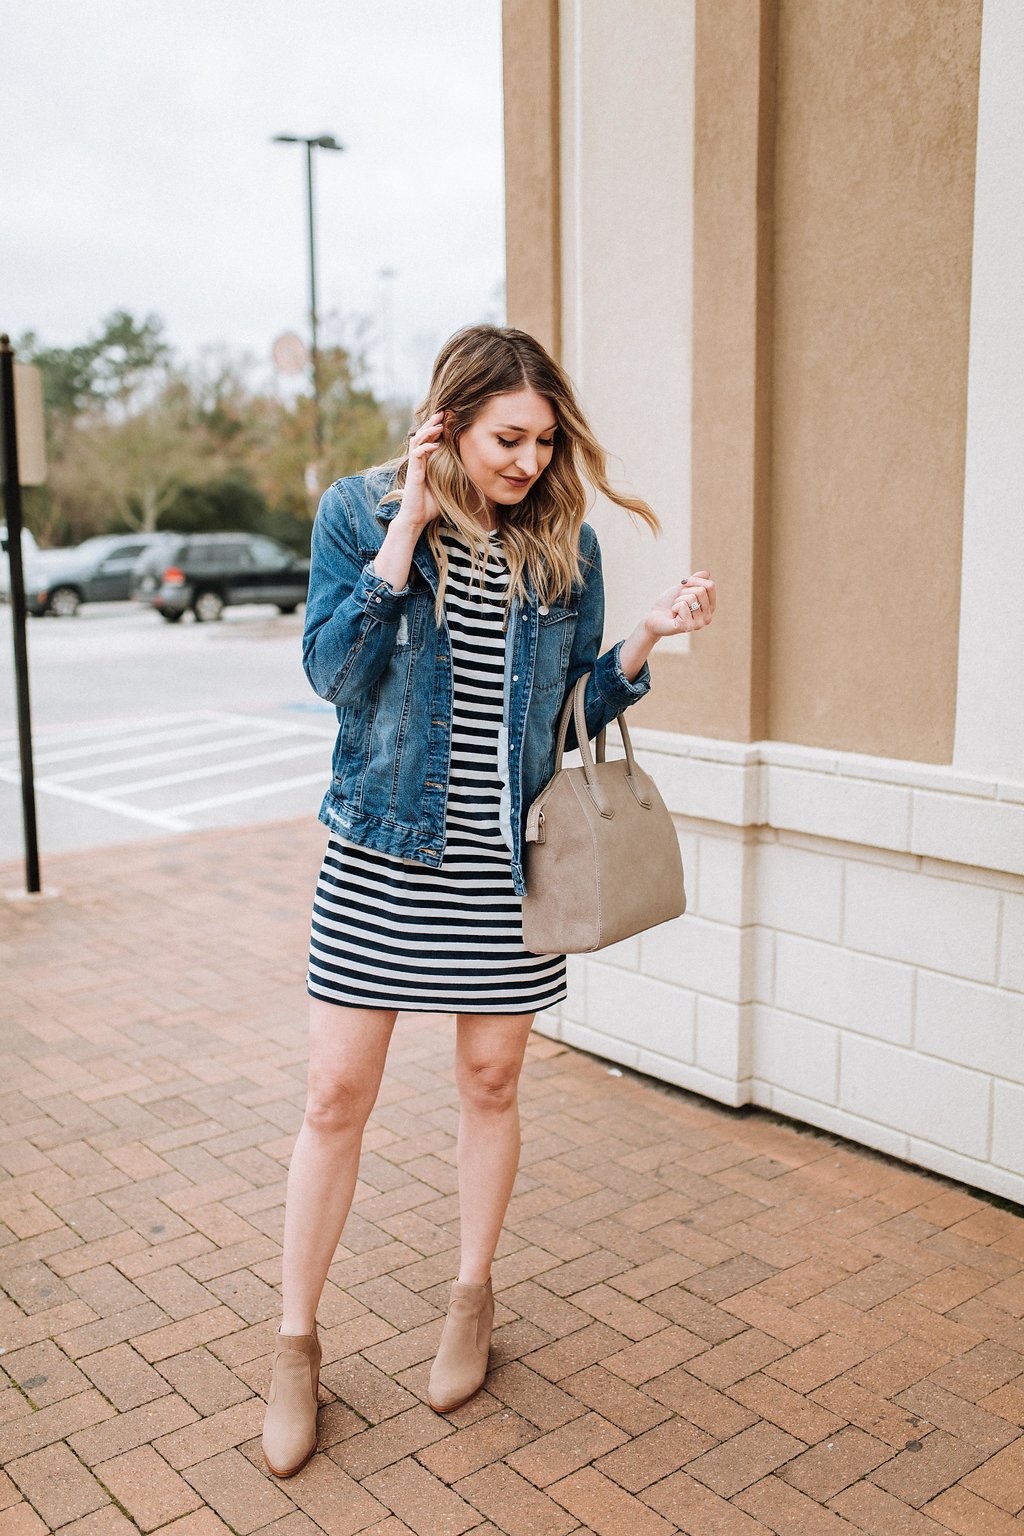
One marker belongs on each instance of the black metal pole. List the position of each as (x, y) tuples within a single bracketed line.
[(318, 426), (12, 508)]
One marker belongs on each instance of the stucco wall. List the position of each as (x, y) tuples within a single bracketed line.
[(853, 949), (990, 675), (874, 189), (626, 240), (533, 285)]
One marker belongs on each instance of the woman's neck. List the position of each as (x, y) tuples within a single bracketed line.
[(487, 516)]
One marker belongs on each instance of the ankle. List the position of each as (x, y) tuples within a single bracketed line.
[(473, 1277), (296, 1328)]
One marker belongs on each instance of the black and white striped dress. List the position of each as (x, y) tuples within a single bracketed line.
[(390, 933)]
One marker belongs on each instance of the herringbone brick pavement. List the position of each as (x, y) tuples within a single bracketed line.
[(707, 1321)]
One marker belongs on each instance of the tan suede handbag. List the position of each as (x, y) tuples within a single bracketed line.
[(602, 856)]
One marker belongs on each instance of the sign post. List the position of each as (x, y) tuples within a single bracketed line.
[(30, 437)]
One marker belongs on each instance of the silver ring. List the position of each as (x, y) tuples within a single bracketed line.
[(693, 607)]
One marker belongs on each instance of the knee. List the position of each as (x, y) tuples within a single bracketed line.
[(336, 1104), (489, 1087)]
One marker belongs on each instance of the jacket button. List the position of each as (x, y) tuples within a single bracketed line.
[(376, 599), (515, 677)]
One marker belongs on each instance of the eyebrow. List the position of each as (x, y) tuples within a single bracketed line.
[(510, 428)]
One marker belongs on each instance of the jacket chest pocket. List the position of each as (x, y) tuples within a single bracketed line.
[(555, 628)]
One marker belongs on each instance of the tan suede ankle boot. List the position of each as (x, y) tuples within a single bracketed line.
[(461, 1362), (289, 1428)]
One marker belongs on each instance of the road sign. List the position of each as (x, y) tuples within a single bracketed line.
[(28, 405), (290, 353)]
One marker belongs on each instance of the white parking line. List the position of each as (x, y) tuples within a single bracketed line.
[(9, 742), (242, 765), (251, 794), (222, 744), (104, 803), (111, 742), (173, 737), (328, 727)]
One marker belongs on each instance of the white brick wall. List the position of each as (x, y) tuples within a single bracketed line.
[(852, 953), (980, 1027), (990, 836), (789, 1051), (1008, 1127), (949, 925), (1011, 962), (807, 801), (840, 986), (802, 890), (928, 1098)]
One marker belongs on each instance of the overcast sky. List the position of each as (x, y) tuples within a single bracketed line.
[(138, 172)]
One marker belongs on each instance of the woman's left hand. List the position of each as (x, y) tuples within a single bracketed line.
[(673, 614)]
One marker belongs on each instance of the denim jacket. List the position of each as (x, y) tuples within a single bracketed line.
[(376, 653)]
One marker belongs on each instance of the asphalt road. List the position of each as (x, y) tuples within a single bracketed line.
[(142, 729)]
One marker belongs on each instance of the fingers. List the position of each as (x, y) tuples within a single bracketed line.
[(423, 440), (685, 620), (694, 605), (700, 587), (430, 428)]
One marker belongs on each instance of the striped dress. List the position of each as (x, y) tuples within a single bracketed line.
[(391, 933)]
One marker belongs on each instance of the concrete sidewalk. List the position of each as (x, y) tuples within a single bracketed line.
[(707, 1321)]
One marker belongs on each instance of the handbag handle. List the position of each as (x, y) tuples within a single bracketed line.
[(574, 706)]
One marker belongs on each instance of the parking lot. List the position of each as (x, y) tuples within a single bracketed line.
[(142, 729)]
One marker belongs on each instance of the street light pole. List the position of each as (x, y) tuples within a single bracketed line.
[(12, 507), (318, 423), (319, 141)]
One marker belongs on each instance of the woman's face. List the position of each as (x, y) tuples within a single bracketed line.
[(506, 449)]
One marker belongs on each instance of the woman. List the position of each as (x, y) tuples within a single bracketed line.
[(455, 597)]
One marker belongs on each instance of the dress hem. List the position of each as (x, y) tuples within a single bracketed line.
[(409, 1007)]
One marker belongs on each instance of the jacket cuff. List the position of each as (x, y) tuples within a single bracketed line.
[(630, 690), (378, 597)]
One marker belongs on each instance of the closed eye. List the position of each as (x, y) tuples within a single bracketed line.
[(545, 442)]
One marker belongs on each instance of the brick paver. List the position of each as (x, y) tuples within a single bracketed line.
[(706, 1320)]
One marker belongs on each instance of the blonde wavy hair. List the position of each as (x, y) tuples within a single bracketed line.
[(540, 534)]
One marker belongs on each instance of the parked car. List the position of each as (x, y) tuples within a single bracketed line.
[(208, 572), (29, 550), (97, 571)]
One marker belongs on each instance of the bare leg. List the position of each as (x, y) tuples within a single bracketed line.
[(488, 1060), (347, 1051)]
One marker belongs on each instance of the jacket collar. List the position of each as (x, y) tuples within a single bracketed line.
[(379, 485)]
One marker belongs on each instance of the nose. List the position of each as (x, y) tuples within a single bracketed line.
[(526, 462)]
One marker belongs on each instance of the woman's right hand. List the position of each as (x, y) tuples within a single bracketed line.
[(418, 506)]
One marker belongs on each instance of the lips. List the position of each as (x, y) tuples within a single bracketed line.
[(517, 483)]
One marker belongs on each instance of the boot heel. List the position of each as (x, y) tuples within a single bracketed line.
[(460, 1366), (289, 1427)]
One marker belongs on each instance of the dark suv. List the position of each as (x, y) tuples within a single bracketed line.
[(207, 572)]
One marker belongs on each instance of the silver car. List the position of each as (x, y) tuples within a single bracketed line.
[(97, 571)]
